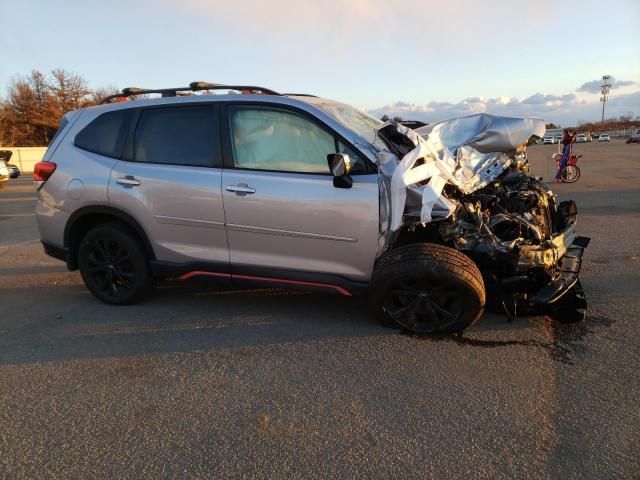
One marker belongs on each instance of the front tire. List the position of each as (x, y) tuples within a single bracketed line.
[(114, 265), (427, 288), (570, 174)]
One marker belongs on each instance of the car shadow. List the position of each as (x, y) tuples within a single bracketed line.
[(66, 322)]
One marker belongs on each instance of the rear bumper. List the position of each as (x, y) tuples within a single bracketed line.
[(56, 251)]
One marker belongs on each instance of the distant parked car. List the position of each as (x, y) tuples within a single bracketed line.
[(14, 171), (7, 169), (549, 139), (4, 173), (581, 138), (558, 138), (633, 140), (604, 137)]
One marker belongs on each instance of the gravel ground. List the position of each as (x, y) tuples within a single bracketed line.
[(196, 383)]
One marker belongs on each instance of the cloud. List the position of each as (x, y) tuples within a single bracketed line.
[(539, 98), (566, 109), (630, 102), (377, 23), (594, 85), (536, 105)]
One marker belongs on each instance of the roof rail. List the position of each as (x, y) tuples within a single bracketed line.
[(193, 87), (299, 95)]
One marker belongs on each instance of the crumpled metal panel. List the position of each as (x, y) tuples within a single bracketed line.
[(467, 152)]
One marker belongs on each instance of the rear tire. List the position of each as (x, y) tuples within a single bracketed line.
[(427, 288), (114, 265)]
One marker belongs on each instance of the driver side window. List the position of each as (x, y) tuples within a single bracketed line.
[(265, 139)]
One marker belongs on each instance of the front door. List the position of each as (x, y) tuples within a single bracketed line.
[(282, 210)]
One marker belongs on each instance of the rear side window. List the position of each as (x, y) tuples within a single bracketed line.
[(106, 134), (177, 136)]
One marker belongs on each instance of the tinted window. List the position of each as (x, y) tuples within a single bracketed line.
[(105, 135), (277, 140), (177, 135)]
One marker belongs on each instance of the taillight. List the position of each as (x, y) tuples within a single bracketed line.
[(43, 170)]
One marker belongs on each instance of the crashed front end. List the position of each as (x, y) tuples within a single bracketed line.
[(464, 183)]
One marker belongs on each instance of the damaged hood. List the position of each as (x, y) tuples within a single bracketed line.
[(484, 133), (467, 152)]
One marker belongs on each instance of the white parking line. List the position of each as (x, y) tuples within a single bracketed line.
[(4, 248), (18, 199)]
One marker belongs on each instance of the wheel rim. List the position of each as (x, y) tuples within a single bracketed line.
[(424, 306), (110, 267), (570, 174)]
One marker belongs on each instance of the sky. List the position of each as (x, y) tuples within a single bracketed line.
[(427, 60)]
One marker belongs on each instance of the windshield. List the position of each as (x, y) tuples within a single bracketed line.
[(360, 122)]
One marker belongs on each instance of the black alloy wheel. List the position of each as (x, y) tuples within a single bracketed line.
[(114, 265), (110, 267), (427, 288), (421, 305)]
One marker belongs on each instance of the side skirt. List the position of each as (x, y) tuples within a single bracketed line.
[(260, 276)]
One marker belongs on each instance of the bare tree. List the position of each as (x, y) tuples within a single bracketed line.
[(68, 90), (31, 112), (100, 94)]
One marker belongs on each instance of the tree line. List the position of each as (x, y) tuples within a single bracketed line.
[(31, 111)]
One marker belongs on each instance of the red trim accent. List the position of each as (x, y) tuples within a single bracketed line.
[(187, 276), (339, 289)]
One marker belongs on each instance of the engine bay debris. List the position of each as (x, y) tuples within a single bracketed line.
[(465, 183)]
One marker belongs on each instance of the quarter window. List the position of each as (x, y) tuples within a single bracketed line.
[(106, 134), (177, 136)]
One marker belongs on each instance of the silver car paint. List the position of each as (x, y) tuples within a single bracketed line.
[(180, 208), (80, 180), (302, 222), (297, 221)]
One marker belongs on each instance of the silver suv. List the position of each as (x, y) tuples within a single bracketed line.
[(283, 190)]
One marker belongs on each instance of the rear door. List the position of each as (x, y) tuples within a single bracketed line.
[(170, 182), (283, 213)]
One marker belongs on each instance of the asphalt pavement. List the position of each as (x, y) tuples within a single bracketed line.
[(204, 383)]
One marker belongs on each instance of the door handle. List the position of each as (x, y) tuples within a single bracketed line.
[(128, 181), (240, 189)]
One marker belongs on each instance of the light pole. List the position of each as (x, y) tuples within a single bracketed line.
[(606, 85)]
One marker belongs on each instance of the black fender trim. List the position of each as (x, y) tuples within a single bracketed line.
[(85, 212)]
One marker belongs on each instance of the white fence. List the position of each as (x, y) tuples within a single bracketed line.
[(25, 157)]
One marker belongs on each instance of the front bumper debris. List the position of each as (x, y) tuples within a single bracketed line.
[(567, 276), (554, 251)]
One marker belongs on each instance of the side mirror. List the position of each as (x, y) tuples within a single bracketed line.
[(340, 166)]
